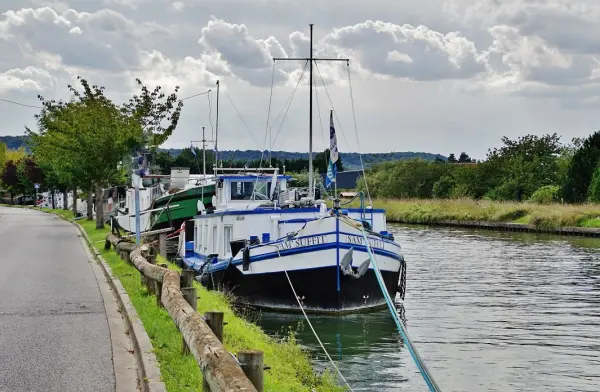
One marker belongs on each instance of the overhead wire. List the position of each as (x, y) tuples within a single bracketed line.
[(20, 104)]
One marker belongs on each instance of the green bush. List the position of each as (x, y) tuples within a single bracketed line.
[(546, 195), (594, 189)]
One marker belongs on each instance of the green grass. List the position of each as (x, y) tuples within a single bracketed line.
[(540, 215), (291, 369)]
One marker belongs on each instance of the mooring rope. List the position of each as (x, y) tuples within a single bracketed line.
[(315, 333), (433, 387)]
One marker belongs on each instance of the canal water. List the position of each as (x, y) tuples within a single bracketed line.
[(488, 311)]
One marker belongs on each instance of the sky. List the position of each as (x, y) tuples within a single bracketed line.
[(435, 76)]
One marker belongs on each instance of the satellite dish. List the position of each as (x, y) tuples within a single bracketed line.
[(201, 207)]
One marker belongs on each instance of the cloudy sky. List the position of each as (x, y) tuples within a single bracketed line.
[(431, 75)]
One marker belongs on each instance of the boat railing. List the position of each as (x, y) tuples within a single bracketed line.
[(361, 196)]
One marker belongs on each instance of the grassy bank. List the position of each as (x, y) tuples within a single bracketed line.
[(291, 368), (543, 216)]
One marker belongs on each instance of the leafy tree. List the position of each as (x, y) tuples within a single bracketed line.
[(581, 170), (464, 158), (156, 112), (524, 165), (29, 174), (10, 179), (452, 158), (85, 139), (2, 154), (594, 190)]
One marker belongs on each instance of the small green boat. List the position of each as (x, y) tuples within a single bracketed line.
[(171, 210)]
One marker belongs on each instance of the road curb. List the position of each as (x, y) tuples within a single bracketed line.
[(148, 368)]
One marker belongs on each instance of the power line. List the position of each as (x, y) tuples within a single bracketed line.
[(20, 104)]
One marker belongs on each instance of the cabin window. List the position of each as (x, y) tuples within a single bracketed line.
[(227, 235), (214, 239), (250, 190)]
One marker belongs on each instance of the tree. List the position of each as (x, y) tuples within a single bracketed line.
[(452, 158), (522, 166), (10, 179), (581, 170), (2, 154), (29, 174), (84, 139), (464, 158), (151, 110)]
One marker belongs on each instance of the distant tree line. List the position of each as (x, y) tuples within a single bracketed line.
[(536, 168), (163, 161)]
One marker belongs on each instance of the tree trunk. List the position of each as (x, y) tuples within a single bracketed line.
[(65, 200), (74, 202), (99, 208), (52, 192), (12, 199), (90, 203)]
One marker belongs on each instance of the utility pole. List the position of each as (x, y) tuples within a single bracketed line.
[(311, 59)]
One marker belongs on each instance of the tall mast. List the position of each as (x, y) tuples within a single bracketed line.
[(310, 59), (203, 153), (311, 192), (217, 130)]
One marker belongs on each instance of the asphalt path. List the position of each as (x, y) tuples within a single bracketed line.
[(54, 333)]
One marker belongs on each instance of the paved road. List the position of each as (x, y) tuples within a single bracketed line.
[(54, 333)]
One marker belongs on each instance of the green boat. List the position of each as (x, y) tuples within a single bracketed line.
[(171, 210)]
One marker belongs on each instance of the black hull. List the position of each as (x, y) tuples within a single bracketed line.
[(317, 289)]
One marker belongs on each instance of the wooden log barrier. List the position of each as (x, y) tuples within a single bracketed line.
[(221, 371)]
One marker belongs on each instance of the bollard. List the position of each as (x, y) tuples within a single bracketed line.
[(215, 322), (107, 245), (158, 289), (190, 295), (162, 244), (187, 277), (253, 366)]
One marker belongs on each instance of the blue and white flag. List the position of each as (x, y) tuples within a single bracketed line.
[(193, 149), (333, 154)]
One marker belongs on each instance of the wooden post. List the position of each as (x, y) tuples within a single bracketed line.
[(162, 244), (190, 295), (158, 288), (187, 278), (107, 245), (150, 284), (253, 366), (215, 322), (122, 255)]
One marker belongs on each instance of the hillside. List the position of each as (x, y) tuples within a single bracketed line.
[(351, 159)]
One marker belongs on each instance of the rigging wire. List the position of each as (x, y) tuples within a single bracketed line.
[(431, 384), (195, 95), (362, 166), (290, 102), (331, 102), (315, 333), (267, 129), (320, 118), (241, 118)]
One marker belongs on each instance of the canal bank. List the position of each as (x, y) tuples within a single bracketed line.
[(561, 219)]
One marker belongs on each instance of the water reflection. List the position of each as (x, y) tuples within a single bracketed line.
[(489, 311)]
